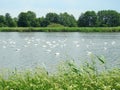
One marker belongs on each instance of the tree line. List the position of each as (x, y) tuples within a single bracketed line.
[(103, 18)]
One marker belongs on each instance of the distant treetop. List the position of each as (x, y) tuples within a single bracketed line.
[(103, 18)]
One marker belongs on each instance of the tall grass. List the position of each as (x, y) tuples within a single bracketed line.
[(60, 29), (69, 77)]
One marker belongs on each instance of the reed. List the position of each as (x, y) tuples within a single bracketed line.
[(69, 77), (60, 29)]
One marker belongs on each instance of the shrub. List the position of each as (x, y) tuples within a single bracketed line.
[(55, 25)]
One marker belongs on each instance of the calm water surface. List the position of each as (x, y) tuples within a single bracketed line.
[(28, 50)]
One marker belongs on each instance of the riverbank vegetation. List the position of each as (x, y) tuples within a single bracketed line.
[(61, 28), (103, 18), (70, 76)]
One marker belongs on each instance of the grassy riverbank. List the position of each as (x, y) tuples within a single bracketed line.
[(60, 29), (68, 77)]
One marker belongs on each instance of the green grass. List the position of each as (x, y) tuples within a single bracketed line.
[(60, 29), (69, 77)]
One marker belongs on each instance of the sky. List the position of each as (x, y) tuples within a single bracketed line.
[(42, 7)]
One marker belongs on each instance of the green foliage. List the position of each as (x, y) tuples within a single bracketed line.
[(87, 19), (55, 25), (108, 18), (23, 20), (27, 19), (52, 17), (43, 22), (2, 21), (9, 21), (70, 76), (104, 18), (67, 20), (31, 16), (53, 28)]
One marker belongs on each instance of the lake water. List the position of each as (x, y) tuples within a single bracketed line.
[(28, 50)]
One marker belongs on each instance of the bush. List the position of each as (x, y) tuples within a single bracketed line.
[(55, 25)]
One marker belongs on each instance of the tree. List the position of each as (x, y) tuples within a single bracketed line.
[(87, 19), (23, 20), (67, 20), (108, 18), (9, 21), (15, 20), (32, 18), (81, 21), (2, 21), (27, 19), (43, 22), (52, 17), (35, 23)]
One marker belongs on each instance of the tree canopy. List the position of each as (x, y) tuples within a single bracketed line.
[(52, 17), (2, 21), (103, 18), (108, 18), (9, 22), (87, 19), (27, 19), (67, 20)]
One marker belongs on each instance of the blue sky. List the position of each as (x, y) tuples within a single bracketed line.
[(41, 7)]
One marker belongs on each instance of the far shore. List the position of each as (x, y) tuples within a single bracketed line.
[(59, 29)]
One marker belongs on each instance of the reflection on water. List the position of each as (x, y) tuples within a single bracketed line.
[(28, 50)]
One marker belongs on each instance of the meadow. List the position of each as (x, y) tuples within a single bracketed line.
[(69, 76), (60, 29)]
